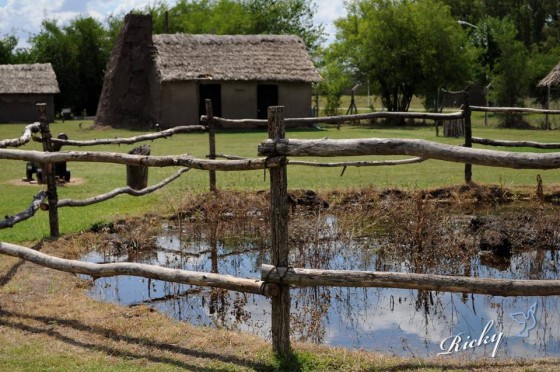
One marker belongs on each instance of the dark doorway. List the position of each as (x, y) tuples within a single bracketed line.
[(212, 92), (267, 95)]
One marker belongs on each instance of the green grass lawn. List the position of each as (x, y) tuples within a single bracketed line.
[(92, 179)]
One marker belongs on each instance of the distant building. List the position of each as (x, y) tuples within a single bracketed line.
[(22, 87), (551, 79), (165, 79)]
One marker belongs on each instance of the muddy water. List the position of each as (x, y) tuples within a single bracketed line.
[(403, 322)]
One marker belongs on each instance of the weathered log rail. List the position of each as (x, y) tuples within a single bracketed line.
[(142, 270), (184, 160), (132, 140), (362, 163), (339, 118), (301, 277), (414, 147), (514, 110), (11, 221), (120, 191), (27, 135), (505, 143)]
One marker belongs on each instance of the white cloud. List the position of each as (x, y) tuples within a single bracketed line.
[(327, 12)]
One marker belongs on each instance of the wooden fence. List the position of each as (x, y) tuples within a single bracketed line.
[(277, 277)]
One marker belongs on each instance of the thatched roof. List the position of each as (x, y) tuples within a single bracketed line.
[(553, 78), (36, 78), (240, 58)]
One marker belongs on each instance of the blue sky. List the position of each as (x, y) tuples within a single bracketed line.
[(23, 17)]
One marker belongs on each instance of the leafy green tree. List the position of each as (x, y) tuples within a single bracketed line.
[(286, 17), (78, 53), (7, 46), (335, 80), (407, 47), (51, 45), (539, 65), (505, 59), (92, 50), (233, 17), (535, 20)]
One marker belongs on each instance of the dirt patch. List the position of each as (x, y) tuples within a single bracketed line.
[(75, 181)]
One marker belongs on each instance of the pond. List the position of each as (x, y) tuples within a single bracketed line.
[(401, 322)]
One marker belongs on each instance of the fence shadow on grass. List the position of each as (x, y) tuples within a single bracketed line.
[(10, 319)]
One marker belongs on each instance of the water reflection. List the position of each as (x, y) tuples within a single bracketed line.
[(403, 322)]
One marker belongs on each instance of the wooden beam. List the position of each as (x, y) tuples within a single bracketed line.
[(521, 110), (363, 163), (505, 143), (132, 140), (25, 138), (280, 313), (211, 142), (342, 278), (340, 118), (184, 160), (468, 133), (142, 270), (10, 221), (122, 190), (411, 147)]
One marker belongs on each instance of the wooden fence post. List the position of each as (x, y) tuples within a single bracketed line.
[(48, 171), (468, 133), (212, 140), (137, 175), (279, 237)]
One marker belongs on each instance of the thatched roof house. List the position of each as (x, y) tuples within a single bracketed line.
[(552, 79), (22, 87), (241, 74), (182, 57)]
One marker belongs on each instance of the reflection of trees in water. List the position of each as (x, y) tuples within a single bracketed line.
[(421, 240), (434, 246), (309, 307)]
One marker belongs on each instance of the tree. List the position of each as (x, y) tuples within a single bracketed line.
[(538, 66), (235, 17), (335, 80), (406, 47), (52, 46), (7, 46), (504, 58), (503, 61), (78, 53), (286, 17), (92, 52)]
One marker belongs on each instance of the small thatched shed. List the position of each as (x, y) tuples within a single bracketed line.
[(241, 74), (552, 79), (22, 87)]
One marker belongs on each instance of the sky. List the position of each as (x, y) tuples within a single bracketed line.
[(23, 18)]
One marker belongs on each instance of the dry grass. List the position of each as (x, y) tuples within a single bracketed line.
[(47, 321)]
